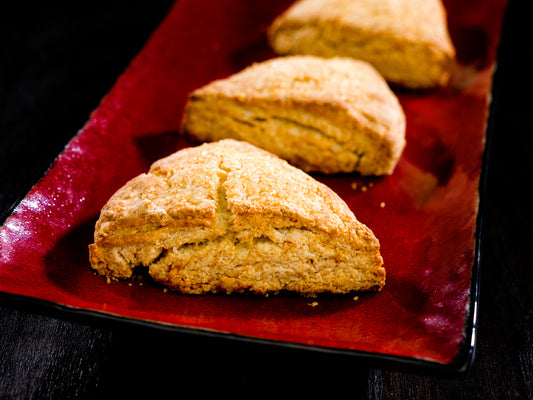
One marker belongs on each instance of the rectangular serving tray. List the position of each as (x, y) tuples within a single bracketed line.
[(426, 214)]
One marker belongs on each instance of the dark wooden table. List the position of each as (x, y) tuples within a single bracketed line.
[(56, 64)]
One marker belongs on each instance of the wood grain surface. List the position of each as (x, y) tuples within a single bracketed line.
[(55, 65)]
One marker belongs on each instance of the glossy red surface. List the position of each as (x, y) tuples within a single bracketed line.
[(424, 214)]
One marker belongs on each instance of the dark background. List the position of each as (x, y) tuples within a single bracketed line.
[(55, 66)]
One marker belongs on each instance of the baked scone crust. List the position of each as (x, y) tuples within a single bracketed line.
[(229, 217), (333, 115), (406, 40)]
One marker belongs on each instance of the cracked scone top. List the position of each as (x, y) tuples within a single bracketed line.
[(406, 40), (229, 217), (322, 115)]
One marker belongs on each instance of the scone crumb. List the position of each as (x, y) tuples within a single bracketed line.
[(108, 280), (313, 304), (364, 189), (356, 298), (354, 185), (382, 204)]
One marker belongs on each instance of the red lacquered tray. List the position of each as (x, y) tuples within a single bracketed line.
[(425, 214)]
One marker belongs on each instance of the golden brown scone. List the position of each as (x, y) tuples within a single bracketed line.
[(406, 40), (229, 217), (322, 115)]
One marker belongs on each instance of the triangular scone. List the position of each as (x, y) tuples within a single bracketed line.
[(229, 217), (322, 115), (406, 40)]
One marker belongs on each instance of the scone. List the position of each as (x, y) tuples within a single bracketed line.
[(229, 217), (406, 40), (333, 115)]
